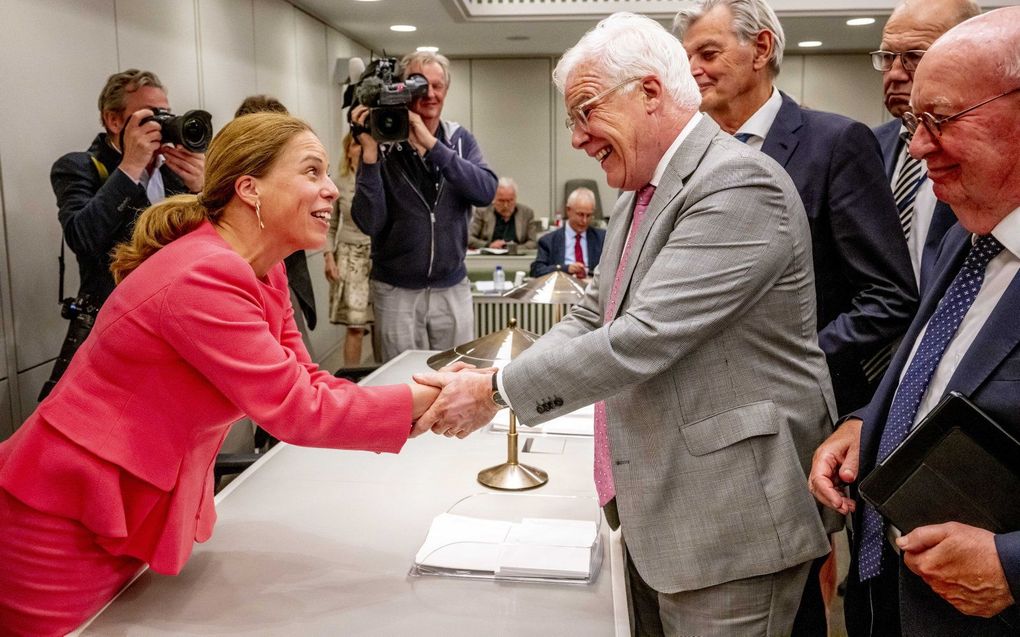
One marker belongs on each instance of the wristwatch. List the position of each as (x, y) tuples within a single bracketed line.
[(496, 396)]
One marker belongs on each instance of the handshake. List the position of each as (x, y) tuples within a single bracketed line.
[(454, 401)]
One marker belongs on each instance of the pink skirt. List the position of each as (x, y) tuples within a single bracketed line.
[(53, 575)]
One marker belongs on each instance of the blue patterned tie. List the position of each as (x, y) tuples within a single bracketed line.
[(744, 136), (941, 329)]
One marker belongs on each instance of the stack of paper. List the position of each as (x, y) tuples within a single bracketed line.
[(534, 547)]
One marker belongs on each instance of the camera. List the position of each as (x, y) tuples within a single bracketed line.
[(82, 306), (388, 98), (193, 130)]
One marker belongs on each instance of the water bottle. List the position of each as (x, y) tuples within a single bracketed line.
[(498, 279)]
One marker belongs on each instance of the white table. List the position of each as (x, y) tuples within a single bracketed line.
[(319, 542)]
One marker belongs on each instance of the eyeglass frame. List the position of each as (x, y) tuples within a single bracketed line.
[(934, 124), (576, 114), (901, 55)]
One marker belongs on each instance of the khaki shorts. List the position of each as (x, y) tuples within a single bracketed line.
[(349, 299)]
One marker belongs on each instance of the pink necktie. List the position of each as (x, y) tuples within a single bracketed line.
[(603, 470)]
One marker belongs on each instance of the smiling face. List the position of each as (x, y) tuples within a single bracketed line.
[(430, 107), (297, 195), (722, 65), (617, 132), (974, 164)]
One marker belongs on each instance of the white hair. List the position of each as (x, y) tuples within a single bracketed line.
[(627, 45), (750, 17), (577, 194), (507, 182)]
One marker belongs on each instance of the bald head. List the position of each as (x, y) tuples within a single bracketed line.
[(967, 93), (913, 26)]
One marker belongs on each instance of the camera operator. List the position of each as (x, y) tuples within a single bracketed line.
[(101, 191), (414, 200)]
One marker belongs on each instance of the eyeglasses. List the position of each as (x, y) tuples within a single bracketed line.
[(578, 115), (883, 60), (934, 124)]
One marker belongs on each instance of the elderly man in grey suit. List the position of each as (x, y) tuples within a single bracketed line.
[(698, 333), (503, 222)]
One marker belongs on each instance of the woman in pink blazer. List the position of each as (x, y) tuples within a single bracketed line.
[(113, 471)]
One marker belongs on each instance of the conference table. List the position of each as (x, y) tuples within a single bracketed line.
[(321, 542)]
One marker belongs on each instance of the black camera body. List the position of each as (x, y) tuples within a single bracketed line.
[(388, 99), (193, 130), (82, 306)]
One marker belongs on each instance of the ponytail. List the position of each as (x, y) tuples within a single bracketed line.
[(154, 229)]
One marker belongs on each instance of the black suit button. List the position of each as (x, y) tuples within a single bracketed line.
[(558, 402), (540, 409)]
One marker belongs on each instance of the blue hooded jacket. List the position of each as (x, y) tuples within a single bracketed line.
[(414, 245)]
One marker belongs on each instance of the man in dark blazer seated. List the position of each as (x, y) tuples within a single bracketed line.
[(911, 29), (576, 247), (865, 288), (965, 338)]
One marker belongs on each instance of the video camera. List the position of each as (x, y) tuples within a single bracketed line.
[(193, 130), (388, 98)]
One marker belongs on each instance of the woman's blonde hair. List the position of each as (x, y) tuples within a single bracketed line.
[(247, 145), (347, 166)]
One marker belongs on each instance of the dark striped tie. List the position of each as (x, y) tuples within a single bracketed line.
[(908, 181)]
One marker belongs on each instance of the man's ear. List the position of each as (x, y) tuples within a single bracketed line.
[(763, 43), (113, 122), (651, 89), (246, 187)]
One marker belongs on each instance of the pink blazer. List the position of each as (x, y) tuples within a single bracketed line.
[(186, 345)]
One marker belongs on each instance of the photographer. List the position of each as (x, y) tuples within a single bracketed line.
[(101, 191), (414, 200)]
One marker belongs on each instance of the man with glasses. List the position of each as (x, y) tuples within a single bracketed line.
[(910, 30), (952, 579), (866, 295), (697, 332), (575, 247)]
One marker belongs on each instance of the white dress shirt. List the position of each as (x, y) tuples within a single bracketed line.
[(759, 124), (999, 274), (924, 210)]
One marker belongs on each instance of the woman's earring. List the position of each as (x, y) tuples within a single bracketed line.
[(258, 213)]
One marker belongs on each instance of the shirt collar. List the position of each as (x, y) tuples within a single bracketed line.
[(1008, 232), (660, 170), (758, 125)]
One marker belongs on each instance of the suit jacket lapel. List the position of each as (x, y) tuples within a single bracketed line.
[(782, 138), (681, 166), (889, 141)]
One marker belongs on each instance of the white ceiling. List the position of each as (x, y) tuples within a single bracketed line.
[(449, 25)]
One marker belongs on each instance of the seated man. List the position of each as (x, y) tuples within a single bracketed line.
[(574, 248), (504, 221)]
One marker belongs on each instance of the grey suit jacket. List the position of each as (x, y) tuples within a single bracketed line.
[(716, 391), (483, 224)]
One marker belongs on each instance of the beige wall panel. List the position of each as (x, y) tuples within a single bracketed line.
[(276, 50), (227, 48), (844, 84), (55, 57), (313, 72), (511, 120), (29, 384), (160, 36), (791, 77)]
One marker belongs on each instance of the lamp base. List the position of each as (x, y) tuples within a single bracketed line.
[(513, 477)]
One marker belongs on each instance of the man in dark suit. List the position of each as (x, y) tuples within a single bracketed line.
[(100, 192), (865, 289), (953, 579), (576, 247), (911, 29)]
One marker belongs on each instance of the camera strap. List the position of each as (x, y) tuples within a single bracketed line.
[(104, 174)]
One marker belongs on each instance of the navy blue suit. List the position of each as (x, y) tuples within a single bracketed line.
[(551, 251), (989, 374), (864, 282), (888, 135)]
